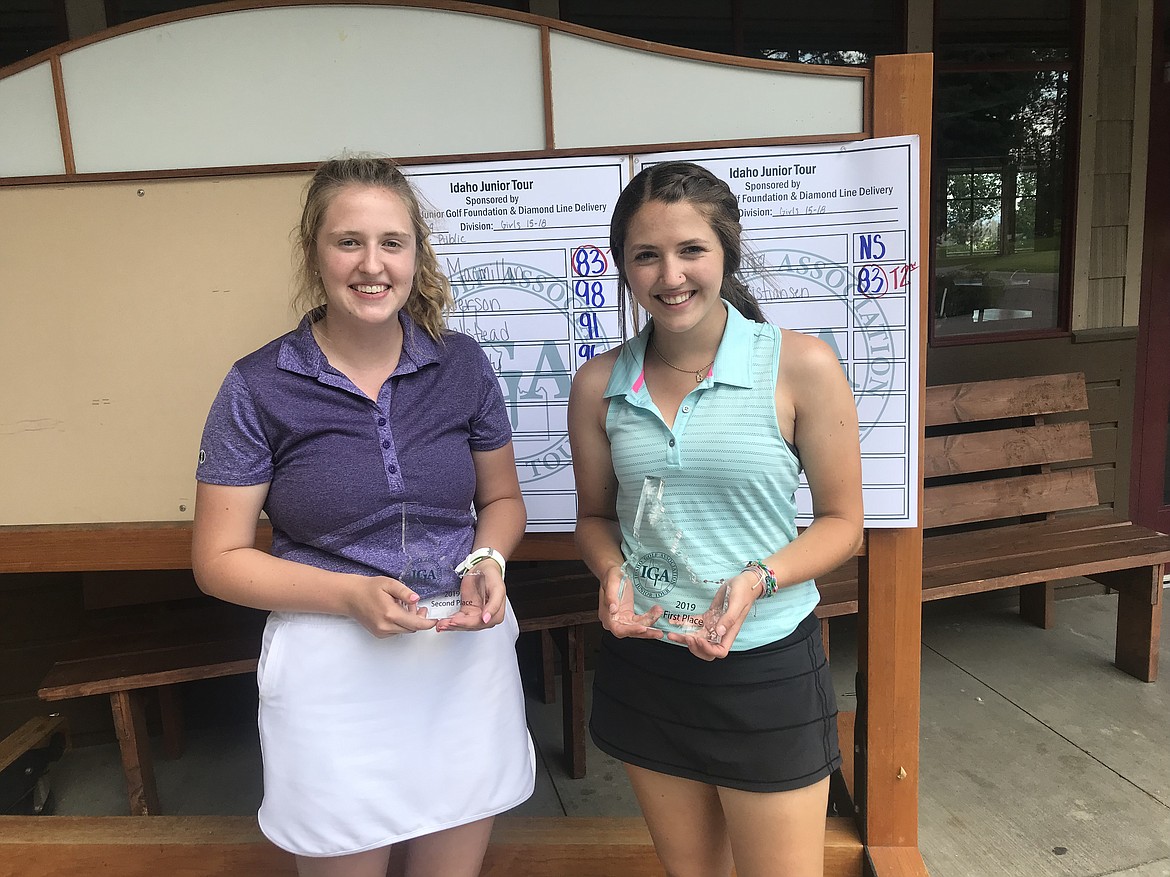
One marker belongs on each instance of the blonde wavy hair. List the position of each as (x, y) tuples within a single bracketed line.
[(430, 294)]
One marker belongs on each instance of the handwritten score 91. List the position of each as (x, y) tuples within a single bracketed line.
[(525, 246)]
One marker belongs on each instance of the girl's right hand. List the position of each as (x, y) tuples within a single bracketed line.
[(387, 607), (616, 608)]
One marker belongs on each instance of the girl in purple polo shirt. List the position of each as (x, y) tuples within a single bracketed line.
[(378, 445)]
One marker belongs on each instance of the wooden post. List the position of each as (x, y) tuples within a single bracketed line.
[(890, 580)]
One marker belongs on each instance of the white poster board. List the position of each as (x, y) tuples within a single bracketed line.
[(833, 251), (526, 247), (832, 235)]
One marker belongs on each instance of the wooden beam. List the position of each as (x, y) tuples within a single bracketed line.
[(889, 678), (195, 846), (165, 545), (894, 862), (890, 575)]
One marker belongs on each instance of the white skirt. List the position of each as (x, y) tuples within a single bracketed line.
[(370, 741)]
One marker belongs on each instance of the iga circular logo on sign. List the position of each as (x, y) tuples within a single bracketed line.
[(495, 303), (656, 575), (859, 332)]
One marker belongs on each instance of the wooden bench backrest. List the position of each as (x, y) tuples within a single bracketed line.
[(989, 450)]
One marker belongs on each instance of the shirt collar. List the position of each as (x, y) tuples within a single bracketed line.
[(300, 353), (733, 358)]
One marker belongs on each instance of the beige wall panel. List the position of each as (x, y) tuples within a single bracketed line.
[(1111, 199), (299, 84), (1104, 439), (30, 137), (1141, 138), (605, 94), (85, 17), (1086, 165), (124, 333), (1119, 29), (920, 25), (1116, 93), (1107, 487), (1114, 146), (1105, 300), (1107, 252), (1105, 400)]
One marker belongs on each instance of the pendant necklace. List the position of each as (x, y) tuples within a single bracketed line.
[(698, 373)]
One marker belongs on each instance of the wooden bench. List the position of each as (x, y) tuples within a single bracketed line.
[(1003, 509), (140, 665), (147, 662), (559, 599), (24, 756), (999, 510)]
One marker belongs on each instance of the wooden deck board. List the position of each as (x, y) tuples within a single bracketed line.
[(203, 846)]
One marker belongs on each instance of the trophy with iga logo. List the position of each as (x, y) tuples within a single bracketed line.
[(656, 568), (432, 549)]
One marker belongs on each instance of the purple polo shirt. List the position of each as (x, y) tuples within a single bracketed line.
[(377, 487)]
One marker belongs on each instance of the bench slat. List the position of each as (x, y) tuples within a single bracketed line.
[(1028, 553), (1093, 519), (1084, 560), (564, 600), (1009, 497), (1013, 397), (1004, 448), (1022, 541), (106, 674), (839, 597), (30, 735)]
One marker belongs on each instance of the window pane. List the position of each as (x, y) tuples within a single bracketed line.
[(30, 27), (838, 32), (692, 24), (1004, 31), (1001, 141)]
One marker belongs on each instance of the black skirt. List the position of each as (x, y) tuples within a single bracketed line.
[(761, 720)]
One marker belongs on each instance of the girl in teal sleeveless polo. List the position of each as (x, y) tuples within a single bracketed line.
[(688, 441)]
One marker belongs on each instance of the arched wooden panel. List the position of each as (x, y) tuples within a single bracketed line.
[(30, 138), (604, 94), (258, 87), (301, 83)]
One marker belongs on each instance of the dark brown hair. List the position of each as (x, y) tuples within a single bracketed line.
[(677, 181)]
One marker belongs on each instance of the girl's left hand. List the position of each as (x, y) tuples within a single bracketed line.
[(730, 607), (482, 598)]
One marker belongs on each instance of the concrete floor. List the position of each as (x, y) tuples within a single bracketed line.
[(1038, 756)]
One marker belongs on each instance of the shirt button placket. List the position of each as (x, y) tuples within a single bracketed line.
[(388, 457)]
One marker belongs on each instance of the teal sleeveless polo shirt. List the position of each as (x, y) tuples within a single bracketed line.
[(730, 481)]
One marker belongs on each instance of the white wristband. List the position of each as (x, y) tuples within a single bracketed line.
[(478, 555)]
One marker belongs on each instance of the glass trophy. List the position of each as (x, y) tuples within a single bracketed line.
[(432, 549), (657, 564)]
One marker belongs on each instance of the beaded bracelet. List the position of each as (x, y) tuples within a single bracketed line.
[(767, 576)]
